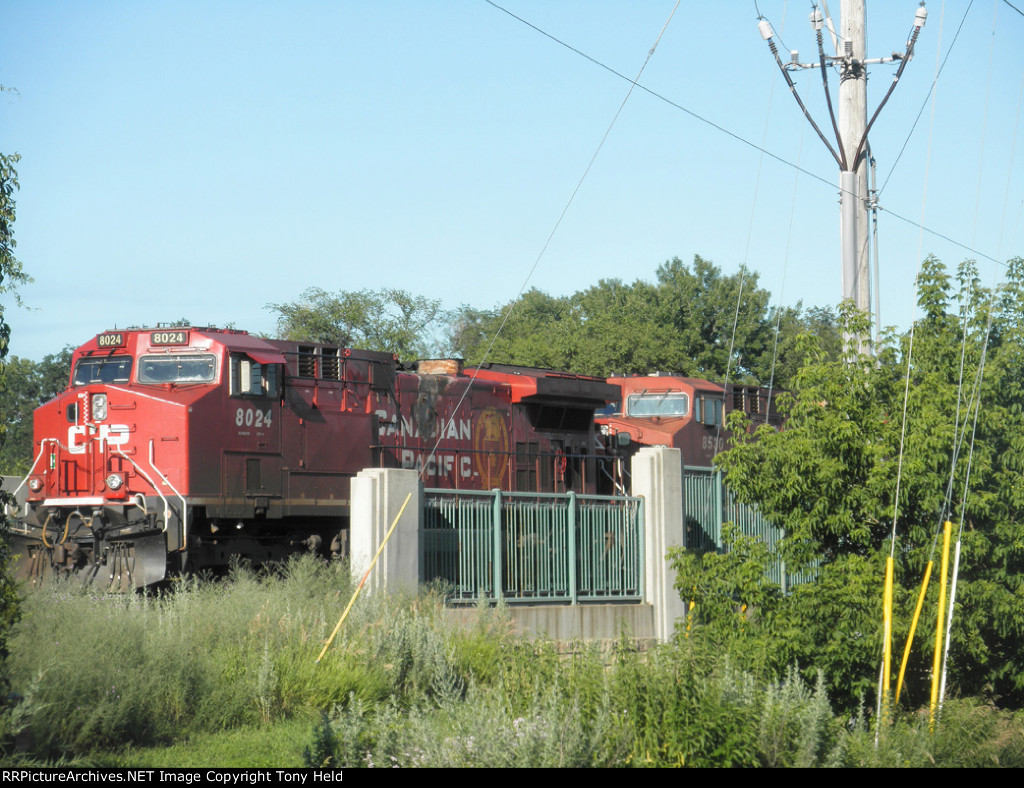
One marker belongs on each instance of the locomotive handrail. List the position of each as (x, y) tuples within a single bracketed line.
[(184, 507), (144, 475), (31, 469)]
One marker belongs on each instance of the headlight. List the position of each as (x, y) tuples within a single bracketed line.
[(99, 407), (35, 484), (114, 481)]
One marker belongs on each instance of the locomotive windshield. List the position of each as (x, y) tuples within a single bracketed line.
[(178, 369), (110, 369), (663, 403)]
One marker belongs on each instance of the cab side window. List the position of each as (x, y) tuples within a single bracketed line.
[(708, 411), (251, 379)]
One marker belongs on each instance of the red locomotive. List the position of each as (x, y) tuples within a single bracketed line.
[(174, 449), (682, 413)]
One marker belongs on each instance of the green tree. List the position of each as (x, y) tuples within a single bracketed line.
[(621, 331), (537, 330), (829, 479), (389, 319), (682, 323), (11, 275), (24, 386)]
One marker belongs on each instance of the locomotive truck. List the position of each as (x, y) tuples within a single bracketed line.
[(176, 449)]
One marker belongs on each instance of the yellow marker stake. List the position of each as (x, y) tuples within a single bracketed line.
[(939, 625), (913, 630), (362, 582)]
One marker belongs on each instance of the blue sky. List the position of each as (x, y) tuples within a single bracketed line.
[(203, 159)]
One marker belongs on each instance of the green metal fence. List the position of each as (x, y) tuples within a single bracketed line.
[(533, 547), (707, 503)]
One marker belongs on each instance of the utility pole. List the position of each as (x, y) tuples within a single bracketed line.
[(853, 181), (850, 130)]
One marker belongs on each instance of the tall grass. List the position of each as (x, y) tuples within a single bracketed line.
[(101, 671), (104, 677)]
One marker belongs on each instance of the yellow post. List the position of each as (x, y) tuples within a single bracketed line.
[(939, 625), (913, 631)]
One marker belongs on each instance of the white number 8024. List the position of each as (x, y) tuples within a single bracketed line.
[(252, 417)]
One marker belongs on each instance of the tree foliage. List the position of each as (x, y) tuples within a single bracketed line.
[(11, 272), (682, 322), (11, 275), (829, 478), (827, 627), (24, 386), (388, 319)]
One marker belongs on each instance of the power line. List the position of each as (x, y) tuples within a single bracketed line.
[(928, 96), (558, 222), (1014, 7), (943, 236), (664, 98), (754, 145)]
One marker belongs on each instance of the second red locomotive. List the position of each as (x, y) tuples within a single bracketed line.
[(682, 413)]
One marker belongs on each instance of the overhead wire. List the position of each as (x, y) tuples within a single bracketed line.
[(963, 346), (963, 504), (946, 508), (910, 346), (753, 145), (662, 97), (1009, 167), (927, 230), (785, 265), (634, 83), (1014, 7), (843, 164), (926, 99), (746, 256), (840, 155), (976, 403), (960, 431), (910, 356), (947, 502), (984, 123)]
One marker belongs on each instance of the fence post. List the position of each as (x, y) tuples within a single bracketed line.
[(657, 478), (719, 509), (496, 525), (642, 534), (573, 580), (376, 497)]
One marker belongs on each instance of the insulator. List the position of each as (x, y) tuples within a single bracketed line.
[(817, 22), (920, 16), (766, 29)]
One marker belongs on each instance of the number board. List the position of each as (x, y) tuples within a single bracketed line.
[(168, 338), (110, 340)]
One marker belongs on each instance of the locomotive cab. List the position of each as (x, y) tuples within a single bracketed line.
[(106, 491), (683, 413), (667, 410)]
